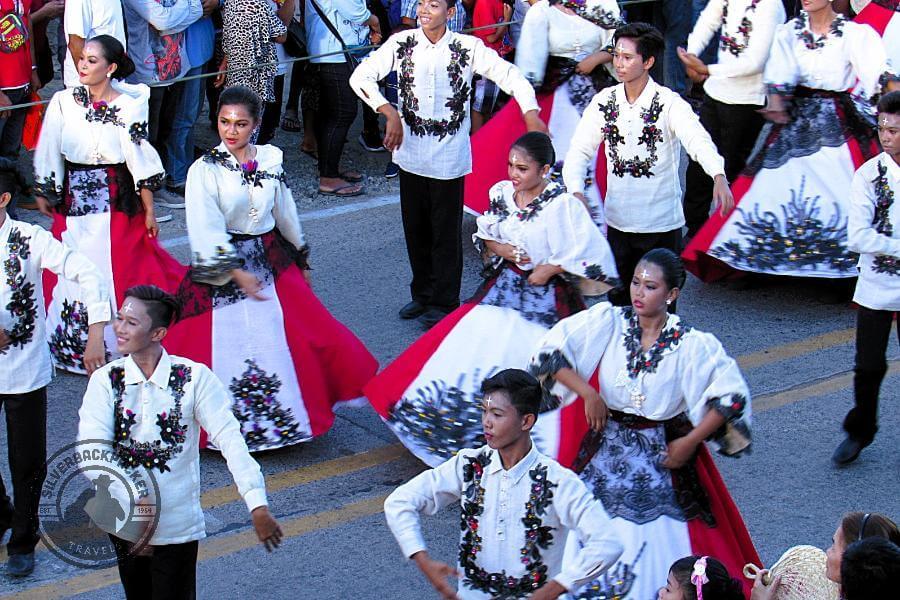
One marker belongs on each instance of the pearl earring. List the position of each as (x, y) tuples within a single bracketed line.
[(109, 75), (668, 301)]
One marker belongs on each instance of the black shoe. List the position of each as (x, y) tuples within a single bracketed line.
[(20, 565), (847, 452), (432, 317), (412, 310)]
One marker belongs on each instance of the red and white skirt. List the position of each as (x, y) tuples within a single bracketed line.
[(884, 17), (101, 217), (659, 515), (430, 395), (286, 361), (562, 100), (792, 200)]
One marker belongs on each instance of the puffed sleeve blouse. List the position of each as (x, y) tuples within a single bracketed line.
[(79, 131), (225, 198)]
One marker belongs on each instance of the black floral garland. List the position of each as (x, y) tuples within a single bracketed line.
[(650, 136), (884, 199), (458, 103), (809, 39), (729, 42), (537, 535), (172, 433), (248, 177), (21, 303), (638, 360)]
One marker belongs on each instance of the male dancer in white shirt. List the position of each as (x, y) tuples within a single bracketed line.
[(643, 125), (733, 88), (874, 212), (429, 138), (149, 406), (518, 507), (25, 368)]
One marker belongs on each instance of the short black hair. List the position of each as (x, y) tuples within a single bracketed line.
[(241, 95), (523, 390), (649, 40), (870, 568), (163, 308), (890, 103)]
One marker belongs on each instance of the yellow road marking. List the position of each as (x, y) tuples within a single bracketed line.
[(829, 385), (782, 352), (213, 548)]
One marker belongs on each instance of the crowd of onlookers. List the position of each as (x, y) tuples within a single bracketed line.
[(172, 42)]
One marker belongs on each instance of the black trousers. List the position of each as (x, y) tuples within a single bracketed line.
[(337, 111), (271, 116), (163, 103), (734, 129), (432, 224), (26, 435), (873, 328), (628, 249), (169, 574)]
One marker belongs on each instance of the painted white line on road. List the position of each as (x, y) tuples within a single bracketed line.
[(313, 215)]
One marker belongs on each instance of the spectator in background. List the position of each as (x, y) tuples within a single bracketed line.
[(338, 104), (870, 569), (272, 110), (18, 76), (489, 12), (456, 23), (520, 8), (156, 44), (303, 95), (83, 20), (42, 12), (673, 18)]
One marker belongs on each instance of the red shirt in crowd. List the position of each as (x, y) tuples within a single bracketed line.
[(15, 66), (488, 12)]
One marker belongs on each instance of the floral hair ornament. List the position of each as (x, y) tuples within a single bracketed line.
[(698, 577)]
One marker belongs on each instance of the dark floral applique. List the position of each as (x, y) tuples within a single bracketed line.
[(537, 535), (730, 43), (152, 183), (551, 191), (884, 199), (157, 453), (88, 192), (458, 103), (809, 39), (596, 15), (614, 583), (81, 96), (104, 113), (647, 362), (650, 137), (46, 187), (801, 240), (251, 174), (69, 339), (139, 132), (264, 421), (497, 205), (596, 273), (734, 436), (22, 305)]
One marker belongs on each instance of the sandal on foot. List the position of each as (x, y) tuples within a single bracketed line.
[(351, 177), (291, 124), (353, 190)]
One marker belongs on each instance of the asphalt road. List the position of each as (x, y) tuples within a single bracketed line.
[(796, 353)]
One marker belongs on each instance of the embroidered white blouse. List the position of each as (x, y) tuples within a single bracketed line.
[(686, 371), (223, 199), (548, 31), (187, 396), (833, 62), (79, 131), (554, 229), (498, 531), (874, 215), (737, 77), (435, 82), (25, 250), (643, 154)]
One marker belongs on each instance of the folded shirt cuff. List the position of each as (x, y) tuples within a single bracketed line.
[(255, 498), (410, 543), (100, 312)]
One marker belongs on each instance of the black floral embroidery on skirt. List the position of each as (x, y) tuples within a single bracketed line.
[(69, 340), (22, 305), (537, 535), (797, 240), (264, 420), (120, 193)]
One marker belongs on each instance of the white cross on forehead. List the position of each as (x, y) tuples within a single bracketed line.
[(128, 308), (884, 120), (620, 48), (645, 274)]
